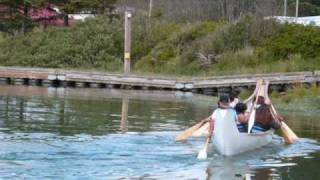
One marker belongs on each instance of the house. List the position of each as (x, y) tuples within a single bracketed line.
[(46, 16), (307, 21)]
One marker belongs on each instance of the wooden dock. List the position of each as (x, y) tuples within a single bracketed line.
[(206, 85)]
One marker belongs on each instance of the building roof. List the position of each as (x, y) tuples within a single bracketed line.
[(307, 21)]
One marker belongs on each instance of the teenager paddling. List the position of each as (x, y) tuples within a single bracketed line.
[(264, 119), (223, 109)]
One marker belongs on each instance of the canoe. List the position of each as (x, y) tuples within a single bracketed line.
[(226, 137), (229, 141)]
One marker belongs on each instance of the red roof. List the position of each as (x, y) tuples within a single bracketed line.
[(43, 13), (46, 15)]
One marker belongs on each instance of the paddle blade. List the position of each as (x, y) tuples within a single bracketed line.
[(202, 154), (204, 151), (187, 133), (288, 135), (251, 120), (202, 131)]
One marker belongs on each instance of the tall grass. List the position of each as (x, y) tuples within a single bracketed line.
[(299, 92)]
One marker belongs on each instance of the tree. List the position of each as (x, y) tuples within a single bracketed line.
[(14, 14), (15, 17)]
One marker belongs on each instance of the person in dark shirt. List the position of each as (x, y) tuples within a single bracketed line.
[(263, 117)]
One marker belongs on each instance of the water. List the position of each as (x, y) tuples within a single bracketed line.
[(49, 133)]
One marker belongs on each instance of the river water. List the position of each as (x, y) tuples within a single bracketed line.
[(57, 133)]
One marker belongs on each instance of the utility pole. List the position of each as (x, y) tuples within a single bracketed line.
[(127, 41), (150, 8), (297, 9), (285, 8)]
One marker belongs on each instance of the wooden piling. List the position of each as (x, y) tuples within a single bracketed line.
[(127, 42)]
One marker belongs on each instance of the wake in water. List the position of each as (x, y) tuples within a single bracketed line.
[(139, 155)]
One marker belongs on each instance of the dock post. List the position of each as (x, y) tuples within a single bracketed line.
[(18, 81), (81, 84), (46, 83), (3, 81)]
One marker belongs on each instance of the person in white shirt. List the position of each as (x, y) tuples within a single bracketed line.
[(223, 108)]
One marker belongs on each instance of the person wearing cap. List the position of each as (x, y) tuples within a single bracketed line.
[(223, 108)]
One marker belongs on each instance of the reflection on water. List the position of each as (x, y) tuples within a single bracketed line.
[(49, 133), (124, 115), (68, 111)]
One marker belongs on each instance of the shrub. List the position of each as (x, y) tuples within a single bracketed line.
[(92, 44), (244, 94), (295, 39), (177, 52)]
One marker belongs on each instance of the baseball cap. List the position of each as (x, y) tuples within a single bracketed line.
[(224, 98)]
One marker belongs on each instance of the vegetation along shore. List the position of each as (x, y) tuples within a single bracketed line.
[(189, 44)]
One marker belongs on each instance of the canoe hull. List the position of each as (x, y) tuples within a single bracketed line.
[(242, 143), (229, 141)]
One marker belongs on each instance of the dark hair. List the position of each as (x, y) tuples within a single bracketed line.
[(240, 108), (224, 98), (233, 95), (260, 100)]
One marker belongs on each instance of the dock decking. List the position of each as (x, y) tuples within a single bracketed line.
[(69, 78)]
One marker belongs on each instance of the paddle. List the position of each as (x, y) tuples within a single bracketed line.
[(288, 135), (203, 153), (253, 110), (187, 133)]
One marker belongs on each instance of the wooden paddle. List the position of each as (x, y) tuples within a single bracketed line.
[(187, 133), (254, 92), (203, 153), (253, 109), (288, 135)]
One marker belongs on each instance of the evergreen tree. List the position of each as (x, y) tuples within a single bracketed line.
[(14, 13)]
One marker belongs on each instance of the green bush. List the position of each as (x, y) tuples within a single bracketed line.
[(244, 47), (300, 92), (2, 37), (295, 39), (92, 44), (176, 54)]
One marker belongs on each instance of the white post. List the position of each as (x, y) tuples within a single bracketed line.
[(150, 8), (285, 8), (297, 10)]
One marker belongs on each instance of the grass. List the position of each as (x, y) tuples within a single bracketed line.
[(298, 98)]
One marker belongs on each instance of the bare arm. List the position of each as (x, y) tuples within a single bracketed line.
[(211, 127), (242, 118)]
